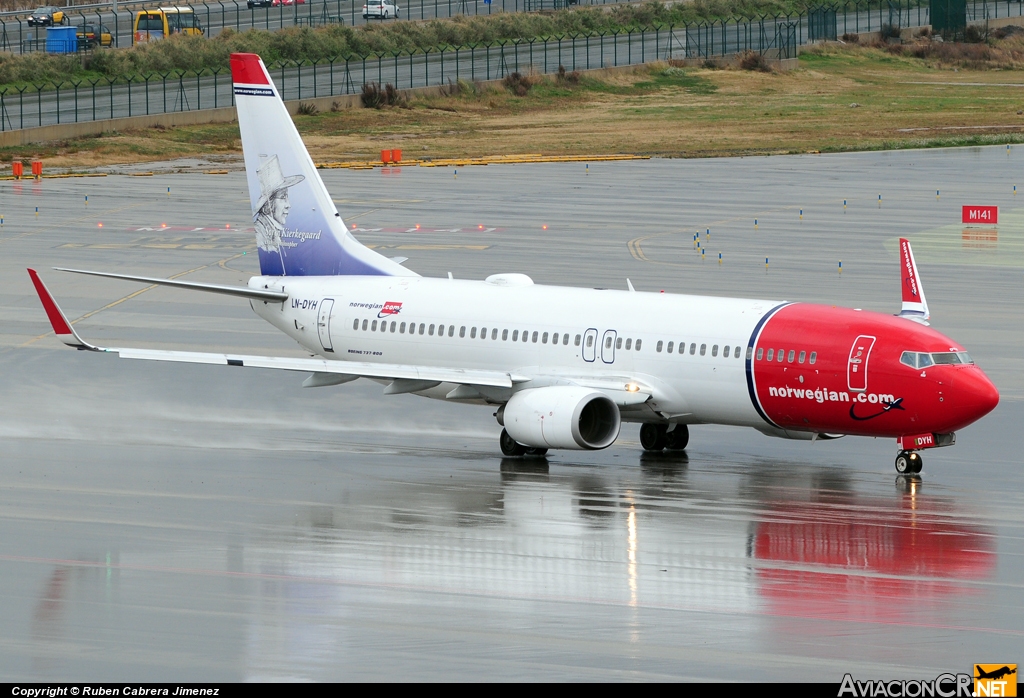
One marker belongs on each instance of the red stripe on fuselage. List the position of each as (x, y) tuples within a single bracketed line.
[(870, 392)]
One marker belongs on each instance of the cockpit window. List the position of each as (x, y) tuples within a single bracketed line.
[(922, 360)]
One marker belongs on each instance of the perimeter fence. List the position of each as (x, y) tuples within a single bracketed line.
[(17, 36), (91, 99)]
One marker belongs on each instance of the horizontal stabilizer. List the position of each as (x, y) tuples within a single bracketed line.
[(240, 291)]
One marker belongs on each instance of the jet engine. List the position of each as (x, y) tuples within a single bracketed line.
[(561, 417)]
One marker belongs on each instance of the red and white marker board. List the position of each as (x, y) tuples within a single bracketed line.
[(981, 215)]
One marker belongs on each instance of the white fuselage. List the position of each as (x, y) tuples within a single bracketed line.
[(604, 338)]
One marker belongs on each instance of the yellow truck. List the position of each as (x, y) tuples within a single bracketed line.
[(151, 25)]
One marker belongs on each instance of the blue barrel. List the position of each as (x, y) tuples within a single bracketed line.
[(61, 40)]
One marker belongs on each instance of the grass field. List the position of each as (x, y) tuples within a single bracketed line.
[(841, 98)]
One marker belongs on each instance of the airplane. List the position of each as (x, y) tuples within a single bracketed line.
[(563, 367)]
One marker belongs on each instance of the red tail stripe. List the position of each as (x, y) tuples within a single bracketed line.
[(246, 69), (911, 292), (60, 325)]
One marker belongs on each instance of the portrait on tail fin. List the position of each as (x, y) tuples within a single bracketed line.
[(273, 205)]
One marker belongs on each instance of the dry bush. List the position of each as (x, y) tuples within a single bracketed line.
[(851, 38), (518, 84), (375, 97), (568, 79), (308, 108), (752, 60)]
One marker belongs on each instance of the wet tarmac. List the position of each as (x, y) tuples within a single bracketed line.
[(180, 523)]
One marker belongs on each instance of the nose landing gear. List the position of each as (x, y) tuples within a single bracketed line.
[(909, 463)]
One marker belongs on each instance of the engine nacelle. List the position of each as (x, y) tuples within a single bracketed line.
[(562, 417)]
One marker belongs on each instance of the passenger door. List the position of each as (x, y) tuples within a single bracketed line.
[(323, 323), (608, 346), (857, 367), (590, 345)]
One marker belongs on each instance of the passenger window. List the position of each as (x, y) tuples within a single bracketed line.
[(736, 353), (703, 349), (638, 344), (608, 343), (590, 340), (771, 354), (668, 349), (693, 348), (779, 355), (814, 356), (440, 330), (365, 323), (909, 358), (472, 333), (355, 324), (800, 359), (373, 327), (554, 338), (618, 343), (577, 342), (534, 336), (504, 335), (544, 338), (515, 335), (430, 330), (401, 328), (393, 326), (714, 350), (423, 328), (565, 340), (462, 331), (526, 336), (725, 352), (792, 355), (494, 333), (451, 330), (924, 360), (629, 343)]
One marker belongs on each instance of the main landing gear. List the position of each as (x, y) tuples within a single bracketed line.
[(511, 447), (657, 437), (909, 463)]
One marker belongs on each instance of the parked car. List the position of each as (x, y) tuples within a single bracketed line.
[(47, 17), (380, 9), (93, 35), (276, 3), (259, 3)]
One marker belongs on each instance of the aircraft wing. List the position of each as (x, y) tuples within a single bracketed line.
[(405, 378)]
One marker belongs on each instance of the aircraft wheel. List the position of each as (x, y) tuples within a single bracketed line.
[(653, 437), (678, 438), (903, 464), (509, 446), (916, 462), (538, 452)]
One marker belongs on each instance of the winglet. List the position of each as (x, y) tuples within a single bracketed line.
[(61, 327), (915, 307)]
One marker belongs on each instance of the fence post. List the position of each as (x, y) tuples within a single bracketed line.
[(130, 78), (39, 101), (57, 90)]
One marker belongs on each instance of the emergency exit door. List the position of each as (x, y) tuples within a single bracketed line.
[(323, 323), (590, 345)]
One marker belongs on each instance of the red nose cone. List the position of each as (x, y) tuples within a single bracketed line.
[(974, 395)]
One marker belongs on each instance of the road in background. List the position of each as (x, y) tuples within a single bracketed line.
[(194, 523)]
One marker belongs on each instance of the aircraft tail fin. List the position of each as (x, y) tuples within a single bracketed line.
[(915, 307), (299, 231)]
